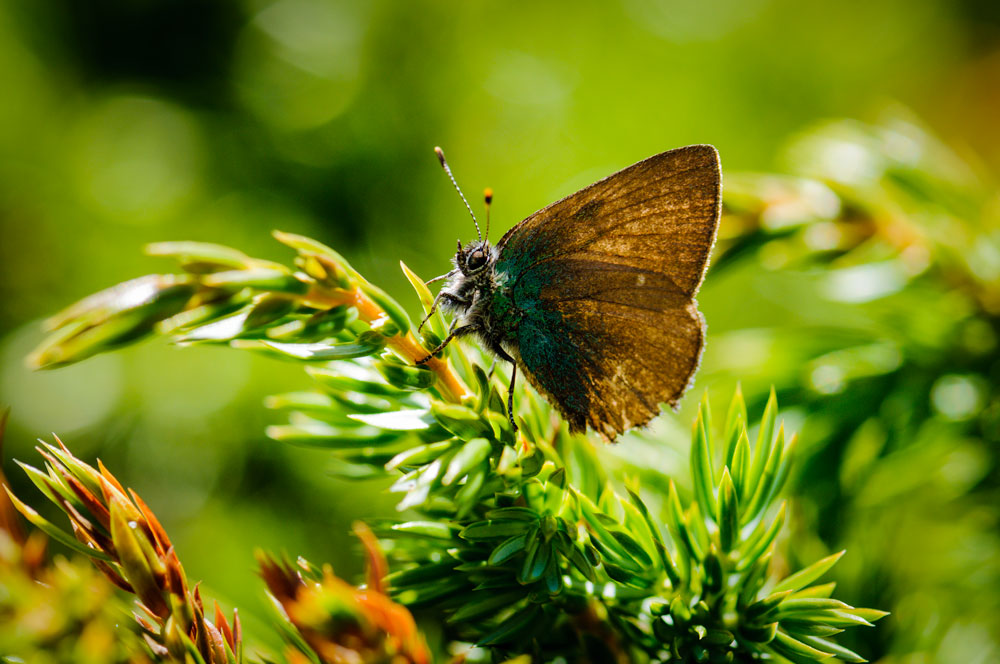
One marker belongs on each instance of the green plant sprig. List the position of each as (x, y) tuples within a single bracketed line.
[(693, 585), (518, 541), (227, 296)]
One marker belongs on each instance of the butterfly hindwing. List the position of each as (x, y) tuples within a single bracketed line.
[(604, 282)]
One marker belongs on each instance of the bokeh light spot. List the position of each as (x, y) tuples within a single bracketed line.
[(864, 283), (298, 62), (526, 80), (137, 159), (956, 397), (682, 22), (63, 400), (827, 379)]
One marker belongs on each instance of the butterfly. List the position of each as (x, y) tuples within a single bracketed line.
[(593, 297)]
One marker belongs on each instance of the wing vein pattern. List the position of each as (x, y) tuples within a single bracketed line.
[(602, 287)]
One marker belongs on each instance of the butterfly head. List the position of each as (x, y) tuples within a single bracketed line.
[(475, 258)]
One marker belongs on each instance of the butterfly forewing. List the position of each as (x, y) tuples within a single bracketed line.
[(604, 281)]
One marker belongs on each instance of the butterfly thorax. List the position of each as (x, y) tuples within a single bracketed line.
[(478, 294)]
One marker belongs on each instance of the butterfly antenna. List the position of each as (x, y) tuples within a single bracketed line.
[(444, 164), (488, 197)]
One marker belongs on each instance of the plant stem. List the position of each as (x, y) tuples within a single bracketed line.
[(450, 385)]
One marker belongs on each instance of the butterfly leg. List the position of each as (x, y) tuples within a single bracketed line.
[(434, 306), (428, 316), (510, 397), (437, 298), (447, 297), (503, 355), (442, 277), (452, 333)]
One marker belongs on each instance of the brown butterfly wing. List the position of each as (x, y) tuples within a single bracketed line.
[(604, 281)]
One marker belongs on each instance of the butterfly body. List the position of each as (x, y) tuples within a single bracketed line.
[(592, 297), (479, 297)]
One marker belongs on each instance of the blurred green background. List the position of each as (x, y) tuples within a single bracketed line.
[(124, 122)]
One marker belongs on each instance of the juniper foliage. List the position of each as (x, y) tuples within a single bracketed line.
[(876, 262), (519, 543)]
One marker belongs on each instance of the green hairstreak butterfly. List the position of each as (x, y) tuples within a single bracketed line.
[(593, 297)]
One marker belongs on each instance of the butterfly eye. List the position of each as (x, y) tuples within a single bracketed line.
[(477, 259)]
